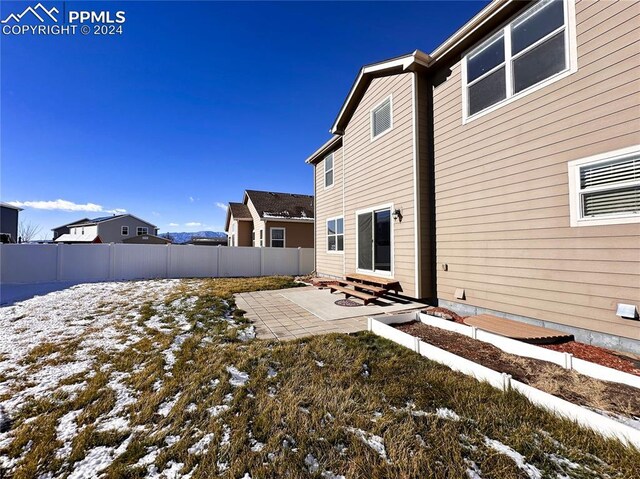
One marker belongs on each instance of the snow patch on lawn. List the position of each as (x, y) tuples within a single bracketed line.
[(97, 459), (374, 442), (202, 445), (238, 378), (90, 312), (532, 471)]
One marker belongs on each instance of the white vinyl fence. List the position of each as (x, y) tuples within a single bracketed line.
[(42, 263)]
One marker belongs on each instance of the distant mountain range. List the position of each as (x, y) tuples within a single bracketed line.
[(185, 237)]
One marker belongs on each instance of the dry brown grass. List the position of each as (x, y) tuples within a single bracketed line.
[(323, 389)]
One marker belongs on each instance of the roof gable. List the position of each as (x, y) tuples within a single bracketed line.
[(272, 205)]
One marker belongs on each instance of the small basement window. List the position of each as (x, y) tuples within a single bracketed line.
[(335, 235), (328, 171), (606, 189), (381, 118)]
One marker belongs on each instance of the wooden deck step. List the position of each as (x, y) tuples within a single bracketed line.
[(389, 284), (527, 333), (374, 289), (366, 297)]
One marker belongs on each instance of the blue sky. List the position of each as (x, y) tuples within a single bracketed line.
[(194, 103)]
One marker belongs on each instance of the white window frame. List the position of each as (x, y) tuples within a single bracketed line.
[(333, 170), (284, 236), (571, 61), (377, 107), (337, 251), (375, 272), (144, 229), (124, 231), (575, 202)]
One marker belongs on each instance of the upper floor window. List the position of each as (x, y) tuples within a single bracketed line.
[(142, 230), (124, 231), (606, 189), (335, 234), (328, 171), (277, 237), (381, 118), (532, 49)]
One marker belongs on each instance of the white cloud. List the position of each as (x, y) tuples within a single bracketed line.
[(191, 199), (222, 206), (64, 205), (193, 223), (155, 213), (174, 224)]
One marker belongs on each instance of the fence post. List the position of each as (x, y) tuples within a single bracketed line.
[(474, 332), (217, 265), (112, 261), (568, 361), (369, 324), (59, 261), (261, 261), (168, 275), (299, 261), (506, 381), (416, 345)]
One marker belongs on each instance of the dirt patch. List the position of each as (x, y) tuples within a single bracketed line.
[(549, 377)]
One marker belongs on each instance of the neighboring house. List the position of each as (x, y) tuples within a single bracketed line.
[(208, 241), (239, 225), (276, 220), (9, 222), (499, 174), (106, 229), (66, 229), (146, 239)]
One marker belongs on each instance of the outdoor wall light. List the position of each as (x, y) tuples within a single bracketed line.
[(397, 215), (627, 311)]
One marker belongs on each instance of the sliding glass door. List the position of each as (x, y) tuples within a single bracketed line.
[(374, 241)]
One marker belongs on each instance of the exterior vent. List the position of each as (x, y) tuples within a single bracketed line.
[(381, 118)]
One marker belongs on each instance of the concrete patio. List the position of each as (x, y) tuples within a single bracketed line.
[(298, 312)]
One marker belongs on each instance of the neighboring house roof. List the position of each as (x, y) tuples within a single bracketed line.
[(142, 238), (286, 206), (68, 237), (207, 241), (334, 143), (103, 219), (239, 211), (7, 205), (83, 220), (487, 19)]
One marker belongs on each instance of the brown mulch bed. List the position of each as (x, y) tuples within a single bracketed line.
[(549, 377), (595, 354)]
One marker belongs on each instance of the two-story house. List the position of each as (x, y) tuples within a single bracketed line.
[(106, 229), (9, 223), (500, 173), (270, 219)]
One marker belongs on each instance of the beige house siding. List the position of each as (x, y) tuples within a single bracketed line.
[(297, 235), (245, 229), (329, 204), (380, 172), (502, 195), (258, 224)]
